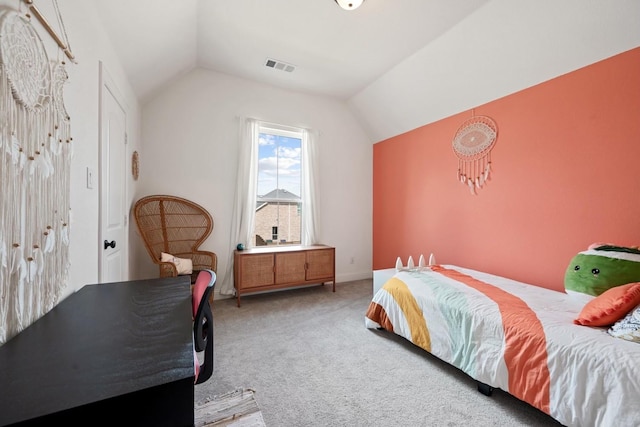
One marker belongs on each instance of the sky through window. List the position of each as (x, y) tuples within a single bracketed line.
[(279, 161)]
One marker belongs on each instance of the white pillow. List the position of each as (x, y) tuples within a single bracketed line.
[(627, 328), (183, 265)]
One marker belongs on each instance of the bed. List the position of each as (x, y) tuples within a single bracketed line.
[(517, 337)]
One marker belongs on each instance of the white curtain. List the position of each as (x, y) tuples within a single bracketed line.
[(310, 190), (244, 209)]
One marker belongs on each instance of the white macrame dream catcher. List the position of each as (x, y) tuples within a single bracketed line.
[(472, 144), (35, 158)]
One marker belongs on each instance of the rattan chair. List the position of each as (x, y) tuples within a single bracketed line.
[(175, 226)]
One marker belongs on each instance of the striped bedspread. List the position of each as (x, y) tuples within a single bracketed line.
[(516, 337)]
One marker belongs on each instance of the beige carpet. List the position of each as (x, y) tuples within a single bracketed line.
[(313, 363), (237, 408)]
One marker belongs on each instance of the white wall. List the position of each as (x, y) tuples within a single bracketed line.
[(90, 45), (190, 149), (503, 47)]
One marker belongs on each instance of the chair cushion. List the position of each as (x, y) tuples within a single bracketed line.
[(183, 265)]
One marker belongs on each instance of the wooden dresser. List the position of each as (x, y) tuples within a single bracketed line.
[(278, 267)]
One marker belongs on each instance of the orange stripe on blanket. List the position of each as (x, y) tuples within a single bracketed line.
[(376, 313), (412, 312), (525, 343)]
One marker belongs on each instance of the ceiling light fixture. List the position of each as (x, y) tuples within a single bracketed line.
[(349, 4)]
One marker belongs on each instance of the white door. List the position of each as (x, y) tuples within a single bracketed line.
[(113, 172)]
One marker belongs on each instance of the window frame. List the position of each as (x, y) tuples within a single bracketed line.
[(287, 132)]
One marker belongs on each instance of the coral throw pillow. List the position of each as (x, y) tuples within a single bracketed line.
[(183, 265), (610, 306)]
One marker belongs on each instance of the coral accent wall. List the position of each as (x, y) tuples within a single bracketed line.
[(565, 174)]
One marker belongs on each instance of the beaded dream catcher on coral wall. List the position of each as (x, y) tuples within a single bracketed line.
[(472, 144)]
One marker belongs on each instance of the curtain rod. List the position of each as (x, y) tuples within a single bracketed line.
[(278, 125), (50, 30)]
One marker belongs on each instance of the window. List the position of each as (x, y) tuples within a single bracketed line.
[(278, 200), (253, 160)]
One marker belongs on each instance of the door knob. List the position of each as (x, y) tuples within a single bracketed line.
[(107, 244)]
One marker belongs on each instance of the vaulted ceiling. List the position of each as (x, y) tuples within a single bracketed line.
[(334, 52), (399, 64)]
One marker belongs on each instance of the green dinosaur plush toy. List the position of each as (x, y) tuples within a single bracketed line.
[(601, 267)]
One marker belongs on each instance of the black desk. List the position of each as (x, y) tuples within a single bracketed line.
[(116, 353)]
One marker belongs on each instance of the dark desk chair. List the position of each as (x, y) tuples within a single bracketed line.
[(203, 325)]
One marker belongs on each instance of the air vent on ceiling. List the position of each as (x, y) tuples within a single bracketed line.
[(279, 65)]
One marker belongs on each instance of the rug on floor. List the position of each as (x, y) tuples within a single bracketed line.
[(237, 408)]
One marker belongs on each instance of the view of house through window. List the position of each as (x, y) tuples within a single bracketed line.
[(279, 206)]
